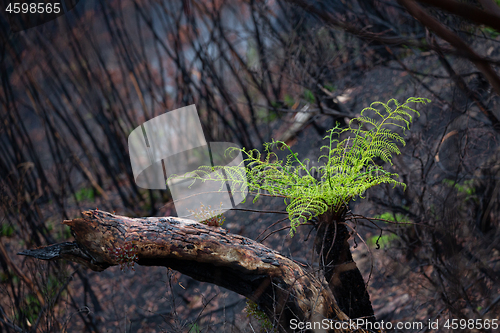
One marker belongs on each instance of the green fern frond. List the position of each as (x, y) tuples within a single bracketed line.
[(302, 209), (346, 170)]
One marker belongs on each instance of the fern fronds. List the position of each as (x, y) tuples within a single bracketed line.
[(346, 171)]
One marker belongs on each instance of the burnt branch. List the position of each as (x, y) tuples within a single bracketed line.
[(281, 287)]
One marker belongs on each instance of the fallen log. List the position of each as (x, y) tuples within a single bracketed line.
[(282, 288)]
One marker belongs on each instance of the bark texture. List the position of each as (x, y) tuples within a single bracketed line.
[(340, 270), (281, 287)]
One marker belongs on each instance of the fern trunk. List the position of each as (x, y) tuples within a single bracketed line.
[(340, 270)]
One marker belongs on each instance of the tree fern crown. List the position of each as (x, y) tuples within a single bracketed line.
[(346, 170)]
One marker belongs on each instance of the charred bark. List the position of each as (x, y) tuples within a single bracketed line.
[(281, 287), (340, 270)]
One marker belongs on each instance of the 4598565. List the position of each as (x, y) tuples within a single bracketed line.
[(33, 7), (477, 324)]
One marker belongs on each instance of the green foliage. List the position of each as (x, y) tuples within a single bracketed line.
[(52, 286), (309, 96), (62, 232), (289, 100), (252, 309), (492, 32), (381, 241), (86, 193), (194, 328), (66, 232), (347, 169), (266, 115), (329, 87), (30, 309), (465, 191), (6, 230), (390, 216), (466, 188)]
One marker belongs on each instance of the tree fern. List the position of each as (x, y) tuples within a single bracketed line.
[(346, 171)]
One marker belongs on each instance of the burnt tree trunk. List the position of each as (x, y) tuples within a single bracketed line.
[(340, 270), (280, 286)]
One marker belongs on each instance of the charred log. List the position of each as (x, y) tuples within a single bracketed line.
[(280, 286)]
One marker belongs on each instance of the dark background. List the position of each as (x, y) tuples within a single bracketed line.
[(72, 90)]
